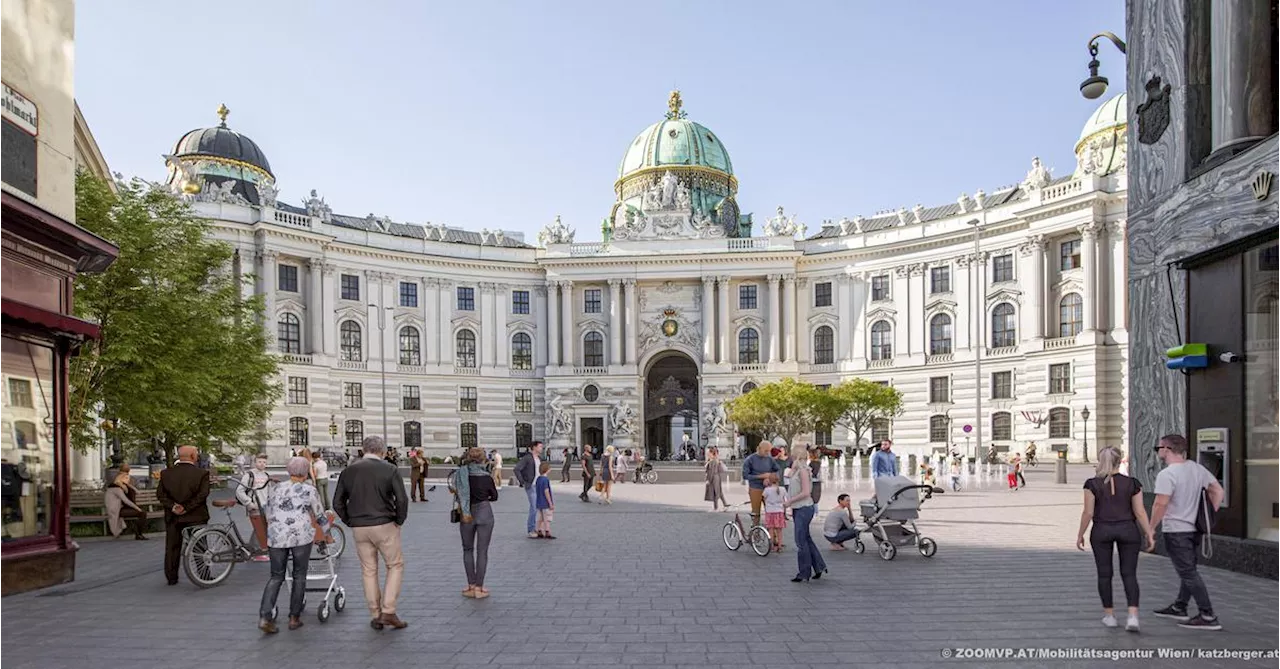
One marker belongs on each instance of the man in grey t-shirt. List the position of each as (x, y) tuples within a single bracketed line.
[(1178, 491)]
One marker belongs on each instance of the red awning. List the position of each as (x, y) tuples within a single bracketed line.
[(52, 321)]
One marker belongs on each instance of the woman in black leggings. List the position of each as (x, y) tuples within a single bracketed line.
[(1113, 503)]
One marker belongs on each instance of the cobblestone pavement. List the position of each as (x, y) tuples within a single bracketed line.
[(647, 582)]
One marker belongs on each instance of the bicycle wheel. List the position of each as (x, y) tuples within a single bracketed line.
[(761, 542), (732, 536), (209, 557), (651, 476), (336, 548)]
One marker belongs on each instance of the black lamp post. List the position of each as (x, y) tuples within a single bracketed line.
[(1084, 413), (1095, 85)]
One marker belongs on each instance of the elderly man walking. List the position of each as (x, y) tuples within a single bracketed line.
[(182, 492), (370, 498)]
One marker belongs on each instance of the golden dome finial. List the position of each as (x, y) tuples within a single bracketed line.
[(222, 114), (673, 106)]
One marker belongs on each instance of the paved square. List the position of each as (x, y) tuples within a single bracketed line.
[(647, 582)]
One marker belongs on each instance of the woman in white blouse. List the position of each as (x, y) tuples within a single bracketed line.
[(293, 512)]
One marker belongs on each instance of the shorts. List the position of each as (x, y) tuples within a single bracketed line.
[(544, 515), (775, 520)]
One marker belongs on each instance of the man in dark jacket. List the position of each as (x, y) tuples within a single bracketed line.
[(182, 492), (526, 476), (371, 500), (588, 472)]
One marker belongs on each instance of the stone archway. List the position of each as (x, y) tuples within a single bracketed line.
[(670, 404)]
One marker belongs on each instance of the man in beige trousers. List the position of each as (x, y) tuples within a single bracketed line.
[(370, 498)]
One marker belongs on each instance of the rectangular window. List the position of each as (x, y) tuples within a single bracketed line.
[(287, 278), (747, 297), (297, 390), (879, 430), (519, 301), (1070, 254), (20, 393), (354, 431), (1001, 427), (880, 287), (350, 287), (352, 396), (938, 429), (939, 279), (409, 294), (591, 301), (468, 437), (31, 456), (1002, 268), (939, 390), (413, 434), (1002, 385), (1060, 378), (524, 400), (466, 298), (822, 294), (822, 437), (467, 399), (410, 398)]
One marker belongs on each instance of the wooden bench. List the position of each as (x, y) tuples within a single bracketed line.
[(93, 500)]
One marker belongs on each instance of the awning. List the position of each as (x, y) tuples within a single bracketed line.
[(60, 325)]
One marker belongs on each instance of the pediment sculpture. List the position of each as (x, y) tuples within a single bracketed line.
[(316, 207), (1038, 177), (267, 193), (783, 225), (556, 233)]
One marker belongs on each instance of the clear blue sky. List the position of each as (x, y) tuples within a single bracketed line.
[(503, 115)]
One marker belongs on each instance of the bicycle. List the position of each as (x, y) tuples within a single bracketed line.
[(757, 536), (210, 552)]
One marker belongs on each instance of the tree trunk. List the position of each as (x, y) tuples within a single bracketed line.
[(169, 449)]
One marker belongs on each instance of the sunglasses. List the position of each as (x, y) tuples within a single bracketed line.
[(1160, 448)]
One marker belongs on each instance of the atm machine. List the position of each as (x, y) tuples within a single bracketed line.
[(1213, 452)]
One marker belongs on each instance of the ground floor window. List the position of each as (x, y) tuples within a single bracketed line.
[(413, 434), (29, 451), (879, 430), (524, 435), (354, 434), (467, 435), (1262, 448), (298, 428)]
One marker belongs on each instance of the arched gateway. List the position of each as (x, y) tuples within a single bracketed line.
[(670, 404)]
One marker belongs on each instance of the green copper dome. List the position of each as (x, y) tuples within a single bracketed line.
[(675, 141), (1113, 113)]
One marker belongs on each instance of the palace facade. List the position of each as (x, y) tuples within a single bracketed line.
[(441, 337)]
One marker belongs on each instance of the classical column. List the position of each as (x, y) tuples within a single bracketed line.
[(488, 348), (917, 331), (267, 285), (502, 338), (541, 338), (615, 322), (845, 315), (856, 292), (1119, 277), (633, 318), (789, 317), (708, 316), (771, 318), (553, 323), (1032, 280), (1089, 266), (1243, 80), (446, 322), (391, 334), (962, 288), (722, 328), (803, 299), (431, 314), (567, 336), (328, 298), (901, 296), (315, 306)]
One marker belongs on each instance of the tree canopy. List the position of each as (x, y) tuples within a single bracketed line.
[(860, 403), (788, 407), (183, 356)]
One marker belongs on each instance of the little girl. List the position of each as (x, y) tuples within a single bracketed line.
[(775, 519)]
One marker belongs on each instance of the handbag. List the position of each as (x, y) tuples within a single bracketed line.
[(455, 514), (599, 486)]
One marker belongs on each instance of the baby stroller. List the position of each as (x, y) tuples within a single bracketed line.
[(890, 516)]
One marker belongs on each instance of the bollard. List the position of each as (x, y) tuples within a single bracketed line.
[(1060, 467)]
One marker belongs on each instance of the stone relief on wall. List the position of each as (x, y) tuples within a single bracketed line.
[(715, 419), (622, 418), (1153, 115), (223, 193), (558, 423)]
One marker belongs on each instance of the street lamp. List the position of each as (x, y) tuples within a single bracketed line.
[(979, 331), (382, 344), (1095, 85), (1084, 413)]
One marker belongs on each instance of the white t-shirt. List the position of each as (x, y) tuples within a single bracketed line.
[(1182, 483), (497, 460), (773, 499), (322, 470)]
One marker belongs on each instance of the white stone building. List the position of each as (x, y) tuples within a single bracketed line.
[(636, 339)]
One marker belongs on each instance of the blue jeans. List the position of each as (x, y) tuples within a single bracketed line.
[(532, 493), (843, 536), (279, 559), (806, 551), (1181, 547)]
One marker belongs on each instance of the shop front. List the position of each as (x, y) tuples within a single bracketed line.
[(42, 254)]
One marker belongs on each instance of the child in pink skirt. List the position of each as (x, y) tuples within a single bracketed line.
[(775, 519)]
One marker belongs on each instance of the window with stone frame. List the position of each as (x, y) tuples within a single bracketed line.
[(297, 390), (1070, 315), (824, 345), (1002, 268), (593, 350), (1069, 255), (409, 294), (524, 400), (468, 398), (1001, 426), (465, 349), (822, 436), (412, 434), (939, 280), (299, 432), (591, 301), (410, 398), (350, 284), (879, 430), (352, 395), (520, 302), (466, 298), (289, 334), (351, 345), (939, 389), (881, 341), (748, 346), (524, 435), (410, 346), (1002, 385), (20, 393), (353, 434), (468, 435), (1004, 326), (879, 287), (822, 294), (1059, 423), (1060, 378), (521, 351), (287, 278), (940, 334), (747, 297), (938, 429)]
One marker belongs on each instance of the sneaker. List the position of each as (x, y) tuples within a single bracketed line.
[(1131, 625), (1108, 621), (535, 535), (1173, 611), (1201, 623)]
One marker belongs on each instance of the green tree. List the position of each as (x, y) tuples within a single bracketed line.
[(858, 403), (783, 408), (183, 357)]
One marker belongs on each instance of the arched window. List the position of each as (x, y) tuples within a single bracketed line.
[(352, 345), (748, 346), (289, 334), (1060, 423), (748, 387), (298, 432), (24, 432), (1001, 426), (413, 434), (354, 434), (1070, 315), (410, 346), (467, 435), (940, 334), (524, 435), (1004, 328), (593, 350), (465, 350), (938, 429), (521, 351), (824, 345), (881, 341)]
